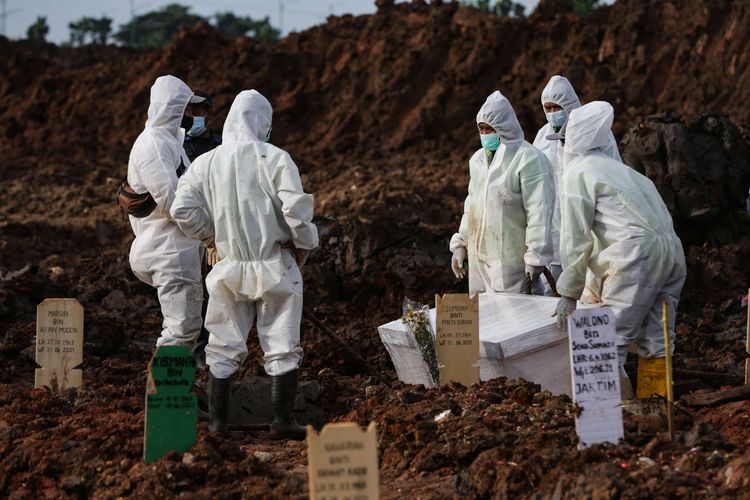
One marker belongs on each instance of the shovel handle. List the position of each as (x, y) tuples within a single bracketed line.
[(527, 285), (551, 281)]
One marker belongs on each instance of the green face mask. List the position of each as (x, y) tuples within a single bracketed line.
[(490, 142), (268, 134)]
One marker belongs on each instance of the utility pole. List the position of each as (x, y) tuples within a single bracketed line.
[(4, 13)]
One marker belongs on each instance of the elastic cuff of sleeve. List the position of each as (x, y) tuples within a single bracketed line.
[(457, 241), (533, 259)]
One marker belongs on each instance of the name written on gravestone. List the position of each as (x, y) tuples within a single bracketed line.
[(175, 367), (455, 316), (55, 325), (594, 359)]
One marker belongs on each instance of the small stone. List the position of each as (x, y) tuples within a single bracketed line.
[(646, 462), (370, 391), (263, 456), (442, 416), (188, 458), (115, 301), (56, 272)]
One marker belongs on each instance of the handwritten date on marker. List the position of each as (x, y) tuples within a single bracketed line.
[(59, 344), (170, 403)]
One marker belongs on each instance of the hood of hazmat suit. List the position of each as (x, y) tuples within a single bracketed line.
[(561, 92), (508, 212), (248, 196), (161, 255), (638, 255)]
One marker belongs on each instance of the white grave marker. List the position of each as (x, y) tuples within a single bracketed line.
[(59, 344), (343, 462), (595, 374)]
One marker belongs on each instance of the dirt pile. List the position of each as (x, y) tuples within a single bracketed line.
[(702, 171), (409, 77)]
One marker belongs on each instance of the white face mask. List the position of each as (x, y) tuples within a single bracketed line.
[(558, 118)]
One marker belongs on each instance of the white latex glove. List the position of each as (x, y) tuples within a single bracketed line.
[(212, 255), (457, 262), (565, 306), (534, 271)]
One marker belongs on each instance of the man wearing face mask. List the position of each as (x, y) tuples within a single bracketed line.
[(558, 100), (161, 255), (637, 252), (506, 227), (200, 138)]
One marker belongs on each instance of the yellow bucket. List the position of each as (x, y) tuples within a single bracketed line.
[(652, 377)]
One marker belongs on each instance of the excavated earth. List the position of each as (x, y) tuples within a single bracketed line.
[(378, 113)]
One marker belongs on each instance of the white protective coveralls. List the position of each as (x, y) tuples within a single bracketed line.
[(247, 194), (639, 256), (561, 92), (508, 212), (161, 255)]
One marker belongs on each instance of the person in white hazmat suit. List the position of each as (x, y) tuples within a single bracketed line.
[(247, 195), (558, 100), (638, 254), (506, 226), (161, 255)]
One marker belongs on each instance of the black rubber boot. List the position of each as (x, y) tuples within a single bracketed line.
[(218, 403), (283, 394), (199, 349)]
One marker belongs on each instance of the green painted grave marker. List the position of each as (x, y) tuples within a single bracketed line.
[(170, 403)]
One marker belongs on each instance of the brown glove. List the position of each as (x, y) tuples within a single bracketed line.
[(135, 204), (300, 256)]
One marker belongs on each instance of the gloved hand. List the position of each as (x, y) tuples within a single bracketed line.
[(565, 306), (457, 262), (534, 271), (212, 254), (301, 256)]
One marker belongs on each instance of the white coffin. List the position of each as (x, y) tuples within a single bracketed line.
[(518, 339)]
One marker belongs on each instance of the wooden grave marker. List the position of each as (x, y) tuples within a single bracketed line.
[(343, 462), (171, 406), (59, 344), (457, 338), (596, 376)]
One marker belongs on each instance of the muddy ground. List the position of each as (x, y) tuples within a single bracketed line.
[(378, 112)]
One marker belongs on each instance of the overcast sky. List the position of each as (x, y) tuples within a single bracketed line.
[(298, 14)]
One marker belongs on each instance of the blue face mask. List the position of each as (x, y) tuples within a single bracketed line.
[(490, 142), (199, 126), (557, 119)]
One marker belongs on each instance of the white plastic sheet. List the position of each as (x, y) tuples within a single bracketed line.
[(518, 339)]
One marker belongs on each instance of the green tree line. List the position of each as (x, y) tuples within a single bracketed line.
[(155, 28)]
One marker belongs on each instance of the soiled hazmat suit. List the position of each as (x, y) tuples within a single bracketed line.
[(507, 217), (639, 256), (247, 195), (161, 255), (561, 92)]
